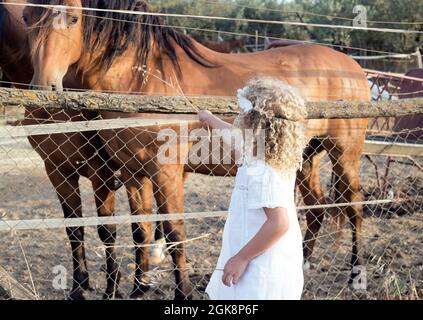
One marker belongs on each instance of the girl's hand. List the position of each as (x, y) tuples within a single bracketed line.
[(234, 269), (204, 115)]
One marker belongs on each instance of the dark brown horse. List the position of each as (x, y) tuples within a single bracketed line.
[(66, 156), (15, 59), (411, 127), (122, 52), (283, 43), (226, 46)]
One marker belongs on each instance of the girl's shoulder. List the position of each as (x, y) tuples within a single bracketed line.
[(268, 187), (262, 169)]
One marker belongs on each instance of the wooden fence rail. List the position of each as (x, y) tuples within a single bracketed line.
[(184, 105)]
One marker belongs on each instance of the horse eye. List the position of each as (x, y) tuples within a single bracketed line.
[(25, 19), (74, 20)]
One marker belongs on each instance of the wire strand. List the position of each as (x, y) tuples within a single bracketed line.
[(176, 15), (308, 13), (242, 34), (252, 35)]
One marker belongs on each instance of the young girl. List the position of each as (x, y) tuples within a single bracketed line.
[(261, 255)]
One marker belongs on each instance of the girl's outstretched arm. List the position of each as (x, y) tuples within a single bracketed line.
[(276, 225), (213, 121), (227, 131)]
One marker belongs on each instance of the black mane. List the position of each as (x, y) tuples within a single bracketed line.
[(118, 31), (2, 15)]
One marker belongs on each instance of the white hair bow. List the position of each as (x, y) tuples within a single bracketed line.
[(245, 104)]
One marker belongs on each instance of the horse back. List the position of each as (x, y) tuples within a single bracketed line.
[(319, 73)]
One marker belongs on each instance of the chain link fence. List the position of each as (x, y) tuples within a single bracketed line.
[(39, 259)]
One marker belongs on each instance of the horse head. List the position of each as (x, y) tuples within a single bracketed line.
[(55, 35), (91, 35)]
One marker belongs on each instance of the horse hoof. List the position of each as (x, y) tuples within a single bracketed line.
[(138, 293), (112, 296), (76, 295), (181, 297), (81, 282), (306, 266), (186, 295), (141, 288), (86, 286)]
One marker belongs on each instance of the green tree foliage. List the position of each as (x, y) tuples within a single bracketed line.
[(310, 11)]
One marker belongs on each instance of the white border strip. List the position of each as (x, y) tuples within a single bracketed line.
[(45, 224)]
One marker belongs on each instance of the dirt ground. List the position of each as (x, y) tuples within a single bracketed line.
[(392, 236)]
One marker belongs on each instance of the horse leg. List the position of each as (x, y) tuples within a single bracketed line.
[(346, 167), (308, 181), (140, 196), (103, 183), (158, 249), (158, 254), (67, 188), (158, 232), (169, 194)]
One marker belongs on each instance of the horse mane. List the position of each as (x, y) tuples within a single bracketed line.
[(113, 33), (2, 15)]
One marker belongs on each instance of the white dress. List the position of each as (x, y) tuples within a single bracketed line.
[(277, 274)]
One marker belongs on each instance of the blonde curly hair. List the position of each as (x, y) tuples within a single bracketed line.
[(280, 111)]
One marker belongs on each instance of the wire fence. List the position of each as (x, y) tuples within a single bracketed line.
[(176, 15), (240, 34), (361, 216), (97, 172)]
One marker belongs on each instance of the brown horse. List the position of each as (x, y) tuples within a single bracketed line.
[(66, 156), (111, 48)]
